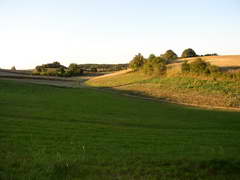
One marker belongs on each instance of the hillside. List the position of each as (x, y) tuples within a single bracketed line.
[(64, 133), (183, 89)]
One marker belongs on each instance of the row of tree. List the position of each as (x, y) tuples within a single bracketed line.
[(157, 64), (56, 69)]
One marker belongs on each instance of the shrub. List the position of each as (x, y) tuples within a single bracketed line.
[(159, 69), (199, 66), (148, 68), (159, 60), (185, 67), (151, 57), (137, 62), (155, 66), (188, 53)]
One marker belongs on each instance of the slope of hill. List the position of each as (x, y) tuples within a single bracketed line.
[(191, 90)]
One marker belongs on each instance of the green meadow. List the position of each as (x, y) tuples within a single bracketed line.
[(49, 132)]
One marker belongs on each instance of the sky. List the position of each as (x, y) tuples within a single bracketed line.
[(34, 32)]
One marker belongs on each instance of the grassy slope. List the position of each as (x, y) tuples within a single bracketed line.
[(62, 133), (177, 88)]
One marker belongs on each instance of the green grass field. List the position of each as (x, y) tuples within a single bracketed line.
[(49, 132)]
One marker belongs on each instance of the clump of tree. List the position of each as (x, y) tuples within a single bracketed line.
[(155, 66), (55, 64), (137, 62), (200, 66), (52, 69), (169, 56), (189, 53), (102, 67), (75, 70), (56, 69)]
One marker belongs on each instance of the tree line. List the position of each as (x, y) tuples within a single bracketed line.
[(56, 69), (157, 65)]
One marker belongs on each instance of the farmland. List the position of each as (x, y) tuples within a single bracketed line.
[(51, 132), (203, 90)]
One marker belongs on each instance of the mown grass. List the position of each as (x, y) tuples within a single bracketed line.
[(63, 133)]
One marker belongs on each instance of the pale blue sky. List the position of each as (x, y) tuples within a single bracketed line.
[(33, 32)]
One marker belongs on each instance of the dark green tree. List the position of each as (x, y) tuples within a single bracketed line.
[(73, 67), (156, 66), (170, 55), (137, 62), (151, 56), (189, 53)]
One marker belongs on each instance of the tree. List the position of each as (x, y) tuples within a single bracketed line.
[(13, 68), (61, 70), (156, 66), (74, 69), (170, 55), (188, 53), (137, 62), (151, 56), (38, 69)]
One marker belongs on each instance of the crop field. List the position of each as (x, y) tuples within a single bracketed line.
[(221, 61), (49, 132)]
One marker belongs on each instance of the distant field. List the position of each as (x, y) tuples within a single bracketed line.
[(63, 133), (222, 61)]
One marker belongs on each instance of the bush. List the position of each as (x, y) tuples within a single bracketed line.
[(155, 66), (185, 67), (159, 69), (148, 68), (137, 62), (188, 53), (151, 57), (200, 67)]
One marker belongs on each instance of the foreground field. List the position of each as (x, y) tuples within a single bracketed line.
[(63, 133)]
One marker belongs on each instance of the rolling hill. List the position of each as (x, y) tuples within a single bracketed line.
[(175, 88)]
